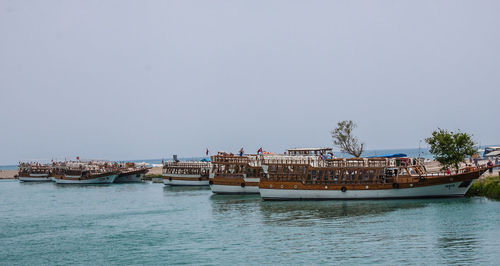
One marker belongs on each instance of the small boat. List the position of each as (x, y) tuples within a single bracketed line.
[(80, 173), (190, 173), (34, 172), (131, 173), (299, 178), (235, 174), (491, 151)]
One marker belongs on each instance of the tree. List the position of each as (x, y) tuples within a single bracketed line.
[(344, 140), (450, 148)]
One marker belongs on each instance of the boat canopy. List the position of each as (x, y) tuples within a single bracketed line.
[(394, 155), (493, 153)]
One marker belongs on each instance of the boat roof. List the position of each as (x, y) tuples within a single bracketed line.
[(310, 149), (394, 155), (493, 153)]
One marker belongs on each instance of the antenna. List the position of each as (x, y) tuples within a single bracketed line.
[(419, 143)]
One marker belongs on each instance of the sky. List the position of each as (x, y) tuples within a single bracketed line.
[(139, 79)]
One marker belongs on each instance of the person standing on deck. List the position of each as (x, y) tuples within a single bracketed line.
[(241, 151)]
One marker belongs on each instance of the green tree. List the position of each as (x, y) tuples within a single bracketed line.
[(449, 148), (344, 140)]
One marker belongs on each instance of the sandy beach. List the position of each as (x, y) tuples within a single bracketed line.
[(7, 174), (155, 171)]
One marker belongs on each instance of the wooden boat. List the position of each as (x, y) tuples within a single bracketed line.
[(131, 173), (296, 178), (186, 173), (34, 172), (80, 173), (235, 174)]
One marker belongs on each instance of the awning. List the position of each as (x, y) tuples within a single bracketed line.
[(493, 153)]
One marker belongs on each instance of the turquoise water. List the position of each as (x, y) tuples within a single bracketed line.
[(45, 223)]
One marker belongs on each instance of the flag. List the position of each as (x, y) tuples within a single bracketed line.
[(260, 150), (206, 153), (77, 158)]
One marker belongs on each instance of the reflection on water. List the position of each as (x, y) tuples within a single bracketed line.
[(180, 189), (229, 204), (62, 186), (303, 210), (457, 247)]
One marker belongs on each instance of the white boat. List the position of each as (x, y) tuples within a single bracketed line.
[(82, 173), (34, 172), (186, 173), (453, 189), (235, 174), (184, 180), (361, 178), (491, 151)]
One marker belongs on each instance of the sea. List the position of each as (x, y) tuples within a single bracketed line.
[(153, 224)]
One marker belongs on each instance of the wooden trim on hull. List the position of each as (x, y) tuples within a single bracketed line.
[(234, 185)]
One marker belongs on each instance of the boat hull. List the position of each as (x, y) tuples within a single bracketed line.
[(35, 178), (98, 180), (132, 178), (234, 189), (234, 185), (185, 180), (433, 191)]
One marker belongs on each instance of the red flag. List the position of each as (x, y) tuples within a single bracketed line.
[(77, 158), (260, 150), (206, 153)]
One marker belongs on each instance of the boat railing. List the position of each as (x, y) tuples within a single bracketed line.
[(290, 160), (229, 159), (226, 175), (187, 165)]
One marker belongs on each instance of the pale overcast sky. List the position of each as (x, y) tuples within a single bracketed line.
[(117, 79)]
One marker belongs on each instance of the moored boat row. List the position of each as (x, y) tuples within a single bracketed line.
[(316, 174), (76, 172)]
